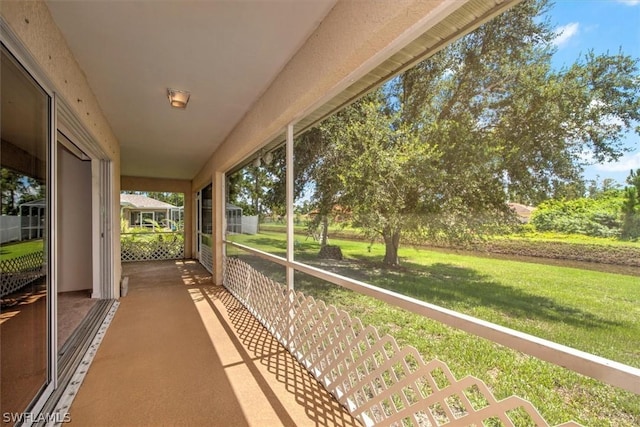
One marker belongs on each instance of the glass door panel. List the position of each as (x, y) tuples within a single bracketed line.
[(25, 296)]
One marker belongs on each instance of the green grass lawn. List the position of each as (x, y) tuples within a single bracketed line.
[(578, 239), (18, 249), (593, 311)]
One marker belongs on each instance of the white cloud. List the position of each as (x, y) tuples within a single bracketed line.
[(630, 2), (565, 32), (606, 119), (586, 157), (625, 164)]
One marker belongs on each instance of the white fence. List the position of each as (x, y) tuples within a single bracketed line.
[(250, 224), (9, 228), (370, 375)]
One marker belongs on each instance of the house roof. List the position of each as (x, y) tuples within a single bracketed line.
[(39, 202), (139, 201), (523, 211)]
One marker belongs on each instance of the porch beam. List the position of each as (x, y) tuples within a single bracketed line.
[(19, 160)]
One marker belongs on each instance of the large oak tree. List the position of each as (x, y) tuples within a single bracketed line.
[(439, 150)]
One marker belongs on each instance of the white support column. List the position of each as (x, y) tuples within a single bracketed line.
[(290, 178), (219, 226)]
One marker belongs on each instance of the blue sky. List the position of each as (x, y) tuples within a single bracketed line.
[(601, 25)]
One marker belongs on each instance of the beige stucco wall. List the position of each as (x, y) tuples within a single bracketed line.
[(353, 39), (75, 265), (33, 25)]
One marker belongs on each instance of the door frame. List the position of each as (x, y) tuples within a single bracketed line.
[(63, 118)]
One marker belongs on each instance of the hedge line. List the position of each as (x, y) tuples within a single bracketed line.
[(602, 254), (617, 255)]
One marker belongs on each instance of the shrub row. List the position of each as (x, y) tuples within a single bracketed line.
[(585, 252), (617, 255)]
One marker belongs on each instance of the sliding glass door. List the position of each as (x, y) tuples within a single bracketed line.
[(25, 289)]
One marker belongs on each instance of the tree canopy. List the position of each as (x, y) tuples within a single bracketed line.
[(439, 150), (18, 189), (631, 207)]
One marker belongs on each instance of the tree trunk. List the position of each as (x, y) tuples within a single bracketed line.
[(324, 231), (12, 207), (391, 244), (257, 200)]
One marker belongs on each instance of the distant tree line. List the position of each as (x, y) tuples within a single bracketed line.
[(631, 207), (608, 212)]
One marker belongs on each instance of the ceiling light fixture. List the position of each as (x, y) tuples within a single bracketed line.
[(261, 158), (268, 158), (178, 98)]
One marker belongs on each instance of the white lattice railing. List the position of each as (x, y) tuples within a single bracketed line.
[(376, 380), (17, 272), (151, 247), (206, 257)]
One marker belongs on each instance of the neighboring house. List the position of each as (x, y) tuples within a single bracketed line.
[(32, 219), (522, 211), (143, 211), (338, 213), (234, 218)]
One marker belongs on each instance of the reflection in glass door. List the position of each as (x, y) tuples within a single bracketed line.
[(25, 288)]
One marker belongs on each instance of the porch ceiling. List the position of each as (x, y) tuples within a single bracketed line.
[(226, 53)]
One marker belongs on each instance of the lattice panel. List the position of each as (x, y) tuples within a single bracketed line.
[(19, 272), (206, 257), (379, 382), (237, 278), (268, 302), (151, 251), (264, 298)]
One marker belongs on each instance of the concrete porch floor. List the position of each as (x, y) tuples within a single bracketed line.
[(181, 351)]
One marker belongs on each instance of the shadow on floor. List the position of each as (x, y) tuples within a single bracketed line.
[(182, 351), (319, 405)]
